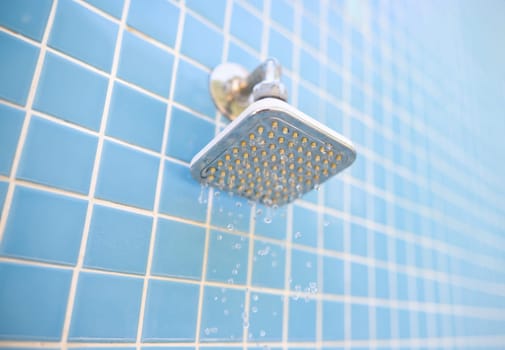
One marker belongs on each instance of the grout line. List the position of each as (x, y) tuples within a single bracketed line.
[(24, 129), (160, 178), (94, 179)]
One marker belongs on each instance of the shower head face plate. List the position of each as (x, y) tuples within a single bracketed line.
[(272, 153)]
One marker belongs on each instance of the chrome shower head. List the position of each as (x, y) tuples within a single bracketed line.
[(272, 153)]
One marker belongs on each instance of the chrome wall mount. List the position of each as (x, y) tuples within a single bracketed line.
[(233, 89)]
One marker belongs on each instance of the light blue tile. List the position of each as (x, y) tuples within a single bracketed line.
[(242, 56), (171, 311), (17, 64), (44, 226), (303, 270), (112, 7), (145, 65), (178, 250), (359, 240), (359, 322), (192, 89), (230, 212), (268, 265), (180, 193), (246, 27), (127, 176), (380, 210), (3, 192), (11, 121), (280, 47), (188, 134), (136, 117), (269, 223), (309, 102), (214, 11), (309, 67), (27, 296), (333, 321), (403, 323), (402, 288), (115, 298), (359, 280), (334, 193), (305, 226), (207, 49), (58, 156), (333, 233), (258, 4), (357, 68), (118, 240), (310, 32), (265, 317), (157, 18), (335, 52), (358, 201), (283, 13), (358, 169), (71, 92), (28, 17), (333, 117), (222, 315), (357, 98), (333, 275), (401, 251), (83, 34), (334, 84), (302, 320), (382, 287), (227, 258), (382, 322)]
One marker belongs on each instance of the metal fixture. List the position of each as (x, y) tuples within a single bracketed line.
[(271, 152)]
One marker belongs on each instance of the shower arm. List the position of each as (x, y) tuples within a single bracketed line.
[(233, 88)]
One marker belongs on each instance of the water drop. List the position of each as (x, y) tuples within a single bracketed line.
[(267, 219), (316, 187), (274, 263), (202, 198), (234, 272), (219, 237), (259, 211), (216, 298), (326, 224), (262, 333), (255, 297), (217, 194), (229, 227), (264, 252), (298, 235), (278, 188), (299, 188), (245, 320), (254, 309), (230, 281), (236, 246), (313, 287), (308, 264), (226, 312), (223, 300), (238, 204), (274, 314), (237, 266)]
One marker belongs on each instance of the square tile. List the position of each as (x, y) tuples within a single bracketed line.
[(334, 83), (268, 265), (333, 275), (17, 64), (157, 18), (230, 212), (359, 240), (29, 294), (3, 192), (83, 34), (213, 11), (112, 7), (303, 270), (222, 315), (359, 280), (171, 311), (302, 320), (281, 47), (333, 321), (359, 322), (402, 287), (27, 17), (403, 323), (335, 51), (178, 250), (188, 134), (309, 67), (118, 240), (382, 322), (207, 50), (358, 201), (334, 194), (309, 102), (382, 287), (115, 298), (181, 195), (283, 13), (58, 156), (310, 31), (265, 317), (241, 23), (269, 223), (143, 64), (44, 226), (71, 92), (333, 117), (136, 118), (305, 226), (241, 55), (127, 176), (333, 233), (227, 258), (11, 122), (192, 88)]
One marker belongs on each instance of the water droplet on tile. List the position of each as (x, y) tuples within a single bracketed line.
[(262, 333), (254, 309), (219, 237), (255, 297), (226, 312), (298, 235), (229, 227)]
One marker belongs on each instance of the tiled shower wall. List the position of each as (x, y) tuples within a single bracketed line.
[(106, 241)]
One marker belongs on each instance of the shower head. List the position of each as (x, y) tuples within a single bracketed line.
[(271, 153)]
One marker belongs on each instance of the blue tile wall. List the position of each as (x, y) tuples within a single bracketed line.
[(106, 240)]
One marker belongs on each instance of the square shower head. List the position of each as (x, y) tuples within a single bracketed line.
[(272, 153)]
